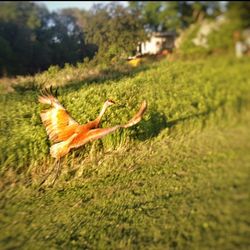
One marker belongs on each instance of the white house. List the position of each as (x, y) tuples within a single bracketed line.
[(157, 42)]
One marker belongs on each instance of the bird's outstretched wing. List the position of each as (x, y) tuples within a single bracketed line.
[(91, 135), (58, 123), (138, 116), (98, 133)]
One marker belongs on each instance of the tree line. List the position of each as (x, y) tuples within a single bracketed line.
[(33, 38)]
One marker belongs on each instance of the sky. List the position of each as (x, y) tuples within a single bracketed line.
[(56, 5)]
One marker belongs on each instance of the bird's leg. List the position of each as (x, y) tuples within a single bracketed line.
[(58, 161), (47, 175)]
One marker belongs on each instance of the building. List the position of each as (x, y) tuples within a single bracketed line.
[(157, 42)]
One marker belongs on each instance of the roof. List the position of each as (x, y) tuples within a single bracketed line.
[(163, 34)]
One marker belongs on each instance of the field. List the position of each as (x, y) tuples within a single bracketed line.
[(177, 180)]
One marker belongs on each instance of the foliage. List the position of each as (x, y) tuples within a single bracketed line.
[(187, 46), (113, 28), (32, 39), (240, 13), (222, 39), (42, 38), (173, 15)]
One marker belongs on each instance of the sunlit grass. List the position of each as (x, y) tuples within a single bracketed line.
[(174, 91), (176, 180)]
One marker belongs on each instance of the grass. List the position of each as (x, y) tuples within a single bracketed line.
[(178, 180)]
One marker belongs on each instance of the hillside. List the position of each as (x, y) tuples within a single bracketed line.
[(179, 179)]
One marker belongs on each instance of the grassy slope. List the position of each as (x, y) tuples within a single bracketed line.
[(177, 180)]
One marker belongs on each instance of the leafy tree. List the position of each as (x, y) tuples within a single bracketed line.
[(32, 38), (240, 11), (18, 22), (67, 41), (173, 15), (114, 29)]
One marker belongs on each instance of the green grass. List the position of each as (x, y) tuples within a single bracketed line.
[(178, 180)]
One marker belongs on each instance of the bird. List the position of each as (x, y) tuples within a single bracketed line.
[(67, 134)]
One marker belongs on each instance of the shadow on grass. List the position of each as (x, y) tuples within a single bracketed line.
[(204, 114), (74, 85), (151, 127), (104, 76), (158, 121)]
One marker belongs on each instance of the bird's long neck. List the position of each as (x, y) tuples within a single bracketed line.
[(99, 117)]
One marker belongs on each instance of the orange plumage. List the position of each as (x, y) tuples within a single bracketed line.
[(67, 134)]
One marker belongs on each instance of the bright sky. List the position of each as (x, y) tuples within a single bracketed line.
[(56, 5)]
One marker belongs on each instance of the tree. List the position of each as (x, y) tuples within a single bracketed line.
[(18, 22), (114, 29), (240, 11), (173, 15), (32, 38), (67, 41)]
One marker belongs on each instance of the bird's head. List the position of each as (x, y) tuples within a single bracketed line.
[(109, 102)]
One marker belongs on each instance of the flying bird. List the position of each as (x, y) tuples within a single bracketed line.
[(66, 133)]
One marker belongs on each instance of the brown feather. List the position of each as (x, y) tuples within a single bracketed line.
[(67, 133), (58, 123)]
